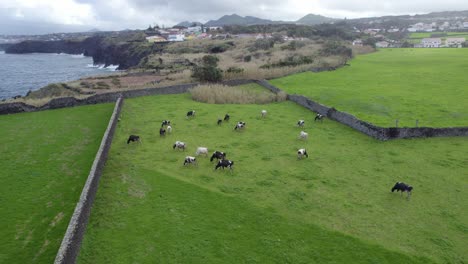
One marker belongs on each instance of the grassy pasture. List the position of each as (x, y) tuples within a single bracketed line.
[(45, 159), (405, 84), (333, 207)]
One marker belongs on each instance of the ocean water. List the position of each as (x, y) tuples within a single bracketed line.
[(20, 73)]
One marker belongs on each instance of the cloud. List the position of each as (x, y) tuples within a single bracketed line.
[(121, 14)]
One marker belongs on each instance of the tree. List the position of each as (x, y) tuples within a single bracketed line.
[(208, 71)]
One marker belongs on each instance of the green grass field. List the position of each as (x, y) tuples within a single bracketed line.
[(405, 84), (45, 159), (333, 207), (421, 35)]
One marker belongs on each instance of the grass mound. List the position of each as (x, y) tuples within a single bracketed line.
[(245, 94)]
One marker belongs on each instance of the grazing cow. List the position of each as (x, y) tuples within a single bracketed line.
[(165, 123), (402, 187), (300, 123), (169, 129), (190, 160), (301, 153), (226, 117), (202, 150), (179, 145), (264, 113), (303, 135), (133, 138), (319, 117), (220, 121), (224, 164), (218, 155), (162, 131), (239, 125), (191, 113)]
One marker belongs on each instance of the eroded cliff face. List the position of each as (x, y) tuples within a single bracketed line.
[(126, 54)]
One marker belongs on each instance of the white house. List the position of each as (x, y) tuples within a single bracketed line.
[(465, 24), (382, 44), (177, 37), (431, 42), (454, 42), (357, 42), (194, 29)]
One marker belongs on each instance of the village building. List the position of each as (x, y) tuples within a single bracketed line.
[(382, 44), (454, 42), (431, 42), (176, 37), (357, 42), (156, 39)]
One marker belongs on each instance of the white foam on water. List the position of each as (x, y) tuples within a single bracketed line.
[(78, 56), (2, 52), (112, 67)]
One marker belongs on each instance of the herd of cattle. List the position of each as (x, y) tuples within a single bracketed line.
[(221, 156)]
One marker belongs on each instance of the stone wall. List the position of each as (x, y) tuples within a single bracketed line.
[(380, 133), (13, 108), (71, 242)]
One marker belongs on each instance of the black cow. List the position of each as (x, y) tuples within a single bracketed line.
[(226, 117), (225, 164), (220, 121), (162, 131), (133, 138), (218, 155), (165, 123), (190, 160), (319, 117), (402, 187), (191, 113)]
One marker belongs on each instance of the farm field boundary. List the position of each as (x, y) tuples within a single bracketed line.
[(71, 242), (380, 133)]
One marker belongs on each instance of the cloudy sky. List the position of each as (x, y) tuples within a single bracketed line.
[(44, 16)]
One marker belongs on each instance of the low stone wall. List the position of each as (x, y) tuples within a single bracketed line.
[(71, 242), (13, 108), (380, 133)]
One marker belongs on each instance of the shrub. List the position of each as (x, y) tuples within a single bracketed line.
[(248, 58), (116, 82), (290, 61), (208, 71), (102, 85), (336, 48), (262, 44)]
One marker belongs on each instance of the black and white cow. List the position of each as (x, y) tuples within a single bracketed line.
[(165, 123), (220, 121), (225, 164), (162, 131), (301, 153), (218, 155), (190, 160), (133, 138), (179, 145), (402, 187), (191, 113), (239, 125), (226, 117), (319, 117), (300, 123)]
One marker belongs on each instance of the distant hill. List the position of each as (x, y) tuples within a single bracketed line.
[(312, 19), (235, 19)]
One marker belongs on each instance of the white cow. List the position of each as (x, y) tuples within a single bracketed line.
[(169, 129), (264, 113), (303, 135), (202, 150)]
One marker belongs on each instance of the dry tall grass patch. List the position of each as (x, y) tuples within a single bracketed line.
[(221, 94)]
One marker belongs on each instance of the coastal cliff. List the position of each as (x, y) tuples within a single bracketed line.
[(104, 50)]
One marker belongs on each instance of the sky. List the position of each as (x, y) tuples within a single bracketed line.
[(47, 16)]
